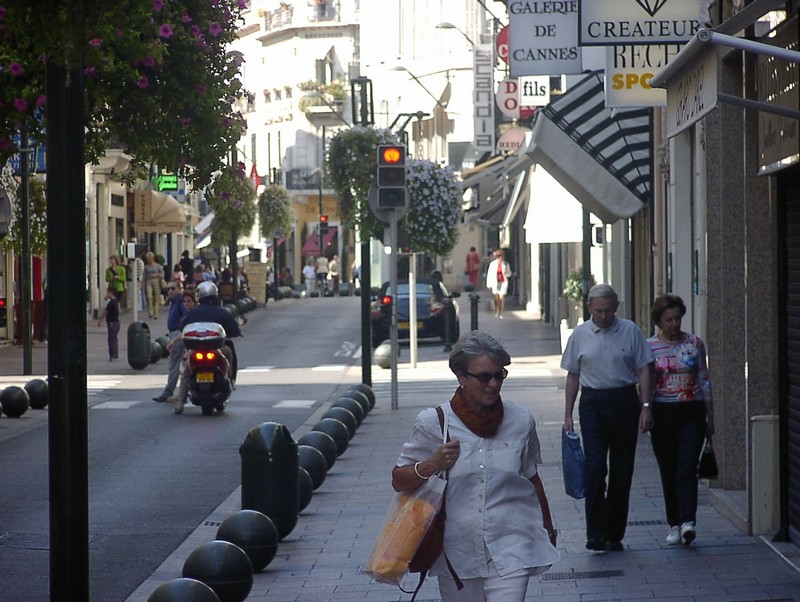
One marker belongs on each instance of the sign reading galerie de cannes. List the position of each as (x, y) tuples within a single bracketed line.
[(543, 38), (603, 23)]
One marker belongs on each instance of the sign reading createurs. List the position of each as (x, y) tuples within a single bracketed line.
[(543, 37), (483, 62)]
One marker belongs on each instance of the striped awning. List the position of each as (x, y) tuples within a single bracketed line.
[(603, 157)]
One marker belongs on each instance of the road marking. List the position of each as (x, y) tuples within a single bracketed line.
[(295, 403), (347, 349), (115, 405), (94, 385), (257, 369), (329, 368)]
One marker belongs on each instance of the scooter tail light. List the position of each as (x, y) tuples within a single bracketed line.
[(210, 355), (198, 356)]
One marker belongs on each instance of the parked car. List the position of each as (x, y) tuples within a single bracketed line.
[(431, 308)]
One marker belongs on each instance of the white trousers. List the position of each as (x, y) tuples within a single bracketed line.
[(494, 588)]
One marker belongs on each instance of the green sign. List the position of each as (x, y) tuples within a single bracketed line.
[(167, 182)]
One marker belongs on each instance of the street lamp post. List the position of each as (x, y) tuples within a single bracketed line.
[(448, 25)]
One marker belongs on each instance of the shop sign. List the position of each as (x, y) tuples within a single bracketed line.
[(778, 136), (508, 100), (511, 140), (543, 37), (629, 70), (501, 44), (483, 68), (534, 91), (622, 22), (692, 92)]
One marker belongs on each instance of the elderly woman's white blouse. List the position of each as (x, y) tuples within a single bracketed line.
[(492, 508)]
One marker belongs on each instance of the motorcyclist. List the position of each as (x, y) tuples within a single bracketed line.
[(207, 310)]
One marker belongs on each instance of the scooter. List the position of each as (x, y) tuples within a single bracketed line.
[(211, 376)]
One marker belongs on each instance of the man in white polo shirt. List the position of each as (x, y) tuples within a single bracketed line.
[(606, 357)]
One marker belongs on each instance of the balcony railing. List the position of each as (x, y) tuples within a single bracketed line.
[(302, 179), (317, 11)]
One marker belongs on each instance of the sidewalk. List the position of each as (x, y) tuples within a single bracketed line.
[(323, 557)]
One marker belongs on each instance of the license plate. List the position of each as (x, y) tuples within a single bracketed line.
[(205, 377), (405, 325)]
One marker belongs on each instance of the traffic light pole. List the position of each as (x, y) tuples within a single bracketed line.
[(393, 288)]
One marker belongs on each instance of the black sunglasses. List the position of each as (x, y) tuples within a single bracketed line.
[(485, 377)]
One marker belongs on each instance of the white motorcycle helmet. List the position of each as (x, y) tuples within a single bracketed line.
[(205, 290)]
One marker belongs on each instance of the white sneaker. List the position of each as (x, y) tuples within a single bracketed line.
[(687, 533), (674, 535)]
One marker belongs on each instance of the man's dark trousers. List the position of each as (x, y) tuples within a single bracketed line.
[(609, 427)]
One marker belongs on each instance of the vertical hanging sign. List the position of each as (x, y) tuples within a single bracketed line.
[(483, 61)]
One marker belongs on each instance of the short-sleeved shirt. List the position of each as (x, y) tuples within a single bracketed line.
[(492, 508), (112, 311), (606, 358), (681, 373)]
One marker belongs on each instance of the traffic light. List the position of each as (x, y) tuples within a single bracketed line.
[(391, 176), (323, 225)]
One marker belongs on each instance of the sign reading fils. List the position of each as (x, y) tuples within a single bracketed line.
[(391, 176)]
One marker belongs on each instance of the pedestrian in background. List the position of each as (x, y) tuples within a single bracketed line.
[(322, 274), (187, 267), (177, 312), (153, 276), (605, 357), (498, 528), (333, 271), (111, 316), (473, 262), (310, 276), (497, 275), (116, 275), (683, 414)]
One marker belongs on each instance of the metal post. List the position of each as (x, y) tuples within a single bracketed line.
[(364, 277), (393, 289), (412, 309), (25, 258), (66, 353), (275, 266), (448, 324), (586, 258), (234, 247), (474, 301)]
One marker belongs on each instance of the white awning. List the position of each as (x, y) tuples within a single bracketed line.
[(204, 224), (601, 156), (554, 215), (158, 212)]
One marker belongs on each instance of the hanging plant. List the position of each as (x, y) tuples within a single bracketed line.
[(275, 211), (232, 197), (435, 207), (573, 286), (38, 214)]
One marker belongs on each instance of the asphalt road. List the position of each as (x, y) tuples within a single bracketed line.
[(155, 476)]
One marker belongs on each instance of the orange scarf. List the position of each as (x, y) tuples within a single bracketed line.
[(484, 425)]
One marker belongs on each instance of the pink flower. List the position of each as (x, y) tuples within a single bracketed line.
[(165, 31), (158, 5), (119, 33), (96, 42), (90, 72), (186, 120), (40, 101), (15, 69), (196, 31), (186, 18), (2, 13), (20, 104), (143, 82), (149, 62), (215, 29), (5, 144)]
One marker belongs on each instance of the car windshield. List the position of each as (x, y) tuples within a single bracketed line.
[(423, 289)]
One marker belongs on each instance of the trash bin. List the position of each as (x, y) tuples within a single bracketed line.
[(138, 345), (269, 460)]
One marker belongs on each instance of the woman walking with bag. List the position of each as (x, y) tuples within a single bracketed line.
[(683, 414), (498, 528)]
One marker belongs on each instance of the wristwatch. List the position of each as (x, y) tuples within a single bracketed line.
[(646, 404)]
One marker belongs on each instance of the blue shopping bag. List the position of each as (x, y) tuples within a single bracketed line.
[(572, 461)]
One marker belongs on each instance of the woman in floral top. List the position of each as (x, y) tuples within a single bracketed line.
[(683, 414)]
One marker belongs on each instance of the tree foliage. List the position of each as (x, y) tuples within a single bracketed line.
[(232, 196), (37, 218), (158, 80), (274, 211)]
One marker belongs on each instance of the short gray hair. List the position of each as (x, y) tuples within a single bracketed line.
[(476, 343), (602, 291)]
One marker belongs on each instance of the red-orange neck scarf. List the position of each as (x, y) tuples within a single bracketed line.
[(482, 424)]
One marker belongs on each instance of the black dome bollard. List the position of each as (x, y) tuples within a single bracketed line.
[(183, 590), (324, 443), (254, 532), (366, 390), (305, 487), (156, 352), (222, 566), (352, 405), (337, 430), (314, 462), (163, 341), (138, 345), (37, 393), (15, 401), (269, 474), (360, 398), (344, 416)]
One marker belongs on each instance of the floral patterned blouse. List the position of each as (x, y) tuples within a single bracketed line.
[(681, 372)]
